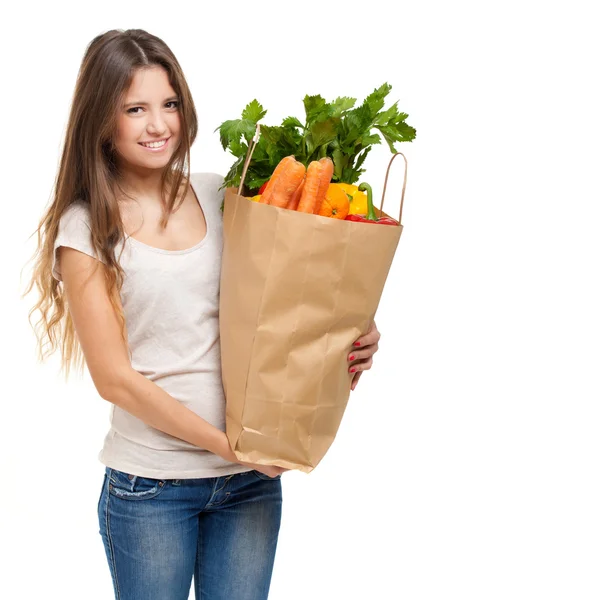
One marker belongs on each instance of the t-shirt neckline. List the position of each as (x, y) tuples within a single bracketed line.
[(185, 250)]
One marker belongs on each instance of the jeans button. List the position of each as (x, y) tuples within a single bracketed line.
[(130, 476)]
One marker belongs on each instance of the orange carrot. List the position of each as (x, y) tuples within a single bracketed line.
[(295, 199), (266, 187), (326, 175), (288, 183), (284, 184), (279, 169), (308, 198)]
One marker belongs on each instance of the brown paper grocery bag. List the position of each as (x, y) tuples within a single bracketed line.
[(297, 289)]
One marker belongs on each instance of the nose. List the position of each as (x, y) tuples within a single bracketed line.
[(156, 123)]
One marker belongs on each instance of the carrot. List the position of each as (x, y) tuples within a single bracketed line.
[(279, 169), (326, 175), (295, 199), (308, 198), (289, 182), (284, 182)]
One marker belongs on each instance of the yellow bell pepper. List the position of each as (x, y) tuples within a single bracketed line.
[(256, 198), (358, 199)]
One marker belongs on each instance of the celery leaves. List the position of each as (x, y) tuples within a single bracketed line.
[(339, 129)]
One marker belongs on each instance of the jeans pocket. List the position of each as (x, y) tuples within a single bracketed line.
[(134, 487), (265, 477)]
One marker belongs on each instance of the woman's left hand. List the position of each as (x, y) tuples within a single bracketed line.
[(361, 356)]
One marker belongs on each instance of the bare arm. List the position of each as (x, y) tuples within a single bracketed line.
[(98, 330)]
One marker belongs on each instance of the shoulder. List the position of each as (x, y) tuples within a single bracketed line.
[(209, 183), (75, 218), (74, 231), (207, 177)]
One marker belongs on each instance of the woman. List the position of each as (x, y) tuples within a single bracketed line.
[(137, 247)]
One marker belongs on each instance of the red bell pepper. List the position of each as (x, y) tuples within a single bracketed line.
[(263, 187), (370, 217)]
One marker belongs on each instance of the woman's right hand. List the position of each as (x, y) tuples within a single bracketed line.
[(228, 454), (270, 470)]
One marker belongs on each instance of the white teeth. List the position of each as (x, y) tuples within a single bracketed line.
[(155, 144)]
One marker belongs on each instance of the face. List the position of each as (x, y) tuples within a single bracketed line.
[(150, 113)]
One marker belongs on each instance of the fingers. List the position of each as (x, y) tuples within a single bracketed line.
[(364, 353), (361, 356), (355, 380), (363, 365), (371, 337)]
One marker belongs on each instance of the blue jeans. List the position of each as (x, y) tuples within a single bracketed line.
[(158, 533)]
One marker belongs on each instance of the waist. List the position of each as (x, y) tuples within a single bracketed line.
[(201, 392), (123, 454)]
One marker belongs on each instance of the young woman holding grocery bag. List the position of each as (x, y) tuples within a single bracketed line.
[(137, 246)]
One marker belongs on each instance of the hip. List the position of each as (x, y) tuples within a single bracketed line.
[(127, 494)]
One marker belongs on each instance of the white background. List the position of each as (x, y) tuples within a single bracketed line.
[(466, 465)]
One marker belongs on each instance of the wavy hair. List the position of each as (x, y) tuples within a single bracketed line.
[(88, 172)]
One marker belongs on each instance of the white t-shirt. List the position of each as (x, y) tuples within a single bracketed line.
[(171, 303)]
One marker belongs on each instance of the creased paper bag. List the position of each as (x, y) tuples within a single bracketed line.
[(297, 289)]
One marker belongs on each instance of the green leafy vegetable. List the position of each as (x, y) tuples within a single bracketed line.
[(339, 129)]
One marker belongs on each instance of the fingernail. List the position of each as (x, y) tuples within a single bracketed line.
[(352, 370), (351, 357), (357, 343)]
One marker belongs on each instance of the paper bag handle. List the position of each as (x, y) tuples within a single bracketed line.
[(251, 147), (403, 187)]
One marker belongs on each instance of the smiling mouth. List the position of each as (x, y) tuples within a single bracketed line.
[(155, 145)]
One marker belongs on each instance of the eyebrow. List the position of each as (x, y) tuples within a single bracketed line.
[(146, 104)]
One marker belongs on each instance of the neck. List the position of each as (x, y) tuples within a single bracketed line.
[(140, 182), (142, 186)]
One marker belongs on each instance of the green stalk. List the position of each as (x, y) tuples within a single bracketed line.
[(365, 187)]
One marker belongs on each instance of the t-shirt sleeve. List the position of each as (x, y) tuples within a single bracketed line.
[(211, 182), (74, 231)]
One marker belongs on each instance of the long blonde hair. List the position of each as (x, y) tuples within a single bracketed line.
[(88, 173)]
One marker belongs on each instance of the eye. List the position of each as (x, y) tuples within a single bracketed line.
[(134, 108)]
